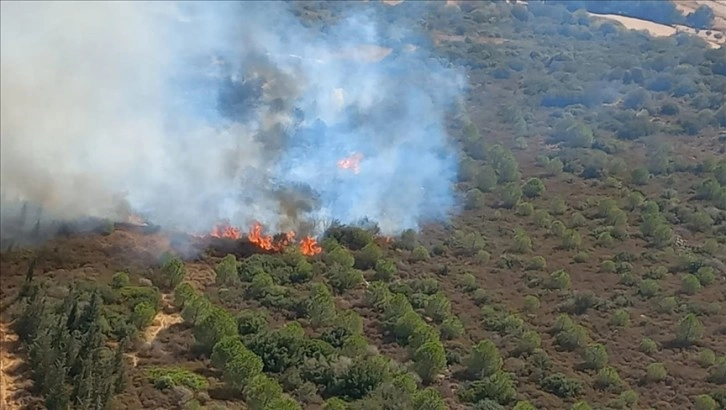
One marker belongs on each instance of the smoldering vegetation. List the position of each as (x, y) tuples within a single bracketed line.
[(193, 113)]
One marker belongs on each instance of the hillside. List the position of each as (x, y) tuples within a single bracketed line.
[(584, 269)]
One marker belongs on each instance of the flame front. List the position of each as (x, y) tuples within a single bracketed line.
[(226, 231), (256, 237), (351, 162), (309, 246)]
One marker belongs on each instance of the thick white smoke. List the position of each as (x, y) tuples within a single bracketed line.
[(192, 113)]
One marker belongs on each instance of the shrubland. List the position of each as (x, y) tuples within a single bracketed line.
[(584, 271)]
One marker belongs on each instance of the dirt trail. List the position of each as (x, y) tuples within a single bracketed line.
[(8, 361), (161, 322)]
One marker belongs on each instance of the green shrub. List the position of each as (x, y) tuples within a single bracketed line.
[(634, 200), (605, 239), (558, 207), (648, 288), (562, 323), (542, 219), (572, 338), (639, 176), (533, 188), (666, 304), (438, 307), (571, 239), (690, 284), (648, 346), (595, 356), (656, 273), (451, 328), (706, 358), (419, 254), (497, 388), (528, 342), (468, 282), (343, 278), (482, 257), (226, 271), (368, 256), (320, 306), (621, 318), (335, 403), (537, 263), (251, 322), (704, 402), (717, 373), (581, 257), (720, 397), (217, 325), (524, 405), (531, 304), (167, 377), (705, 275), (629, 398), (120, 280), (554, 167), (429, 360), (560, 280), (608, 379), (484, 360), (558, 228), (578, 220), (655, 372), (524, 209), (173, 271), (581, 405), (481, 297), (385, 270), (522, 242), (689, 330), (261, 391), (561, 385), (143, 315), (607, 266), (428, 399)]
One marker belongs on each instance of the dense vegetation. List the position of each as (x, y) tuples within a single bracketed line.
[(585, 271)]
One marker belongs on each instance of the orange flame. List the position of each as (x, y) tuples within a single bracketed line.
[(226, 231), (351, 162), (309, 246)]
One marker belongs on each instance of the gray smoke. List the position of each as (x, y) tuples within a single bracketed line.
[(192, 113)]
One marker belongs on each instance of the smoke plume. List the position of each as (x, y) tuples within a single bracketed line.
[(194, 113)]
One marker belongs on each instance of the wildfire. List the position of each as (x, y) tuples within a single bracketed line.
[(351, 162), (226, 231), (308, 246)]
